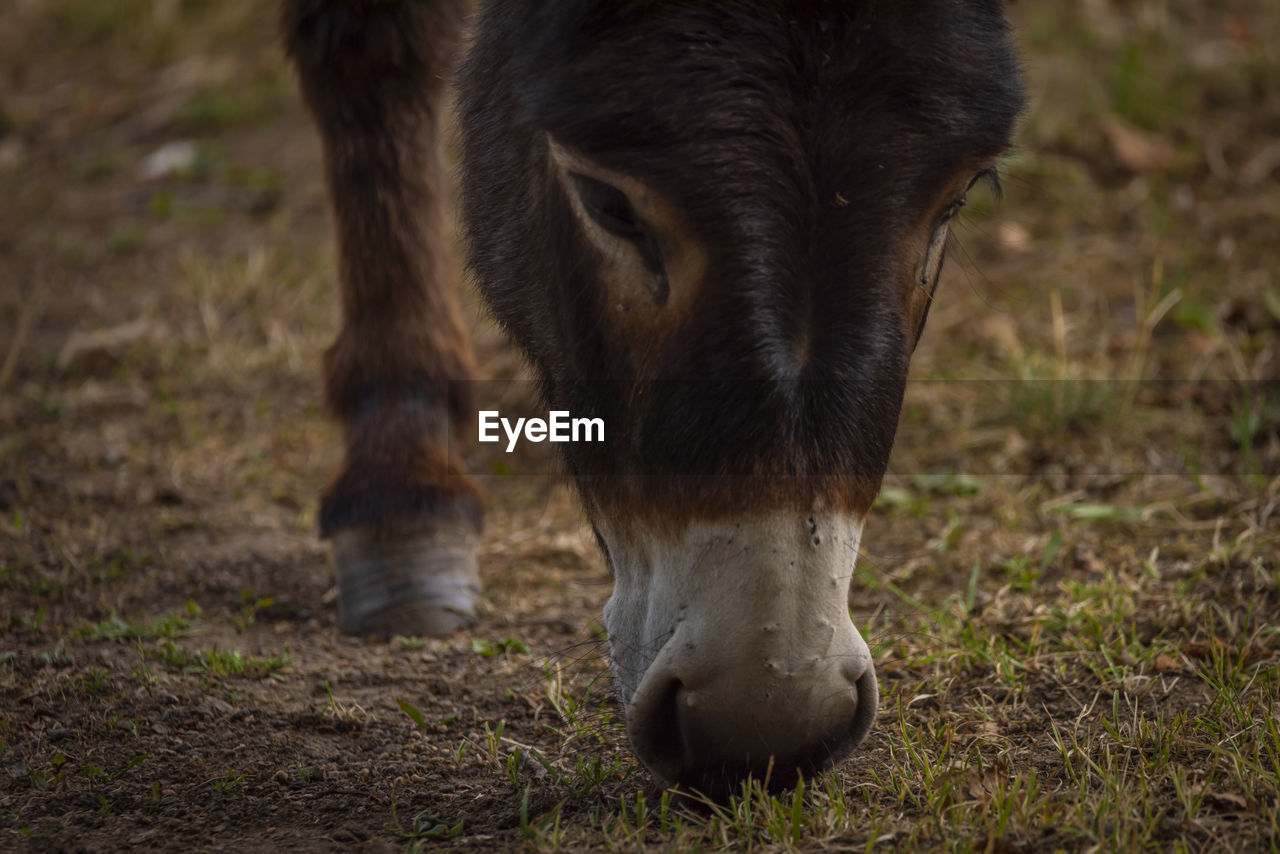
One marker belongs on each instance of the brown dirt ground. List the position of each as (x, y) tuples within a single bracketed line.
[(162, 443)]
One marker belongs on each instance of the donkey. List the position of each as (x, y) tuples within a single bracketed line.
[(717, 226)]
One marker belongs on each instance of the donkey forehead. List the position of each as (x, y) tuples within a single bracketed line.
[(883, 98)]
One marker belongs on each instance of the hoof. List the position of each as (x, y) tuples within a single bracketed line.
[(406, 581)]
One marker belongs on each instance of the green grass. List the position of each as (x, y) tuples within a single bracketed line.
[(1048, 406), (1143, 86), (1024, 716), (1255, 416), (119, 564), (491, 648), (220, 663), (221, 108), (228, 782), (115, 627), (89, 21)]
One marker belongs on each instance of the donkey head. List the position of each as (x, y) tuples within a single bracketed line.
[(719, 227)]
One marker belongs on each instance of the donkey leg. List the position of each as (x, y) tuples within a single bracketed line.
[(403, 518)]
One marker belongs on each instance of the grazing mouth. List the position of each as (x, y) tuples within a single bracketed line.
[(719, 780), (761, 673)]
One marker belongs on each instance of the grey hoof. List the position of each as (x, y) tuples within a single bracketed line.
[(398, 581)]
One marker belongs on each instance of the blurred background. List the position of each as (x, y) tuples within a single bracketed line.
[(1093, 418)]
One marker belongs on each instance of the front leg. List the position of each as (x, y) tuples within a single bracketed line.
[(403, 518)]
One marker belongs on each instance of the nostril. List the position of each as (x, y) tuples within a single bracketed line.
[(864, 717), (653, 724)]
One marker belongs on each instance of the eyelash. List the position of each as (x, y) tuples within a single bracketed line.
[(991, 176)]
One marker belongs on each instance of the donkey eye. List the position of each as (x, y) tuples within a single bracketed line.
[(609, 207), (989, 176), (612, 211)]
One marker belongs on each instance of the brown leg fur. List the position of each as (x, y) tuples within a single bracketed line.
[(403, 517)]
